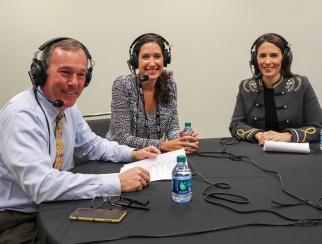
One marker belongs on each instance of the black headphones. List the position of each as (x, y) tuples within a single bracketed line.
[(287, 53), (133, 61), (38, 69)]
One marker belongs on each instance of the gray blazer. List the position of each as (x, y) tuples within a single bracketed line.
[(297, 108)]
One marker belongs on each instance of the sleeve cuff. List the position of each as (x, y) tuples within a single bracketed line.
[(110, 182)]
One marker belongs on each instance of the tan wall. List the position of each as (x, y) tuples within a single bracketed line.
[(210, 46)]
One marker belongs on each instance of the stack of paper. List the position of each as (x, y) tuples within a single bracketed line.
[(160, 168), (286, 147)]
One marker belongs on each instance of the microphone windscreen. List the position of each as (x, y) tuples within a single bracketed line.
[(258, 76), (58, 103), (145, 78)]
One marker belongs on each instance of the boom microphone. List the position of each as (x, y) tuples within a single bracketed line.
[(144, 78), (258, 76), (57, 103)]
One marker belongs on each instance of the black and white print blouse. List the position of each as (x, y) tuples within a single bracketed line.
[(128, 116)]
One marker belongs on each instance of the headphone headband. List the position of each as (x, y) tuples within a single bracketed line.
[(52, 41), (139, 37), (133, 61), (282, 38), (38, 70)]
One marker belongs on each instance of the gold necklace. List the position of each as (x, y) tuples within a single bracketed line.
[(149, 93)]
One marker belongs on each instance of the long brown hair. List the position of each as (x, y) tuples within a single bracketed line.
[(163, 93)]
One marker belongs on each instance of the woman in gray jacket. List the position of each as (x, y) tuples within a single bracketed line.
[(275, 104)]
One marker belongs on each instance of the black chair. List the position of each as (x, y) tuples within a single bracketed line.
[(99, 125)]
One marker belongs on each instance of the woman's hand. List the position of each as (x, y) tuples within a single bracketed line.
[(258, 136), (189, 143), (261, 137), (195, 134)]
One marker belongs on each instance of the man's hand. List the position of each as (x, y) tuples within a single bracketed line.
[(147, 152), (134, 179)]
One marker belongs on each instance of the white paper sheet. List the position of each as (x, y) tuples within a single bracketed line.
[(286, 147), (160, 168)]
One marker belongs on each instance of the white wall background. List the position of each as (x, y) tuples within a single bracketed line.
[(210, 40)]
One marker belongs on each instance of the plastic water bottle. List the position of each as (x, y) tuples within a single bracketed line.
[(321, 139), (187, 131), (181, 181)]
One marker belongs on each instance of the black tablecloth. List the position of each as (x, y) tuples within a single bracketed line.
[(301, 173)]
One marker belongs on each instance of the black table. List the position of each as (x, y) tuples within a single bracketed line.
[(302, 176)]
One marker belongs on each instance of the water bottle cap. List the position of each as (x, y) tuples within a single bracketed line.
[(181, 159), (187, 124)]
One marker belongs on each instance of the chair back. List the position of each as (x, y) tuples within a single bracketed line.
[(100, 125)]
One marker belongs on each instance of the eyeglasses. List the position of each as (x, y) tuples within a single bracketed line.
[(98, 201), (115, 198)]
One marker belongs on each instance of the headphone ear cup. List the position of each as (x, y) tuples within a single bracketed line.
[(252, 58), (88, 76), (166, 57), (287, 56), (39, 72), (133, 61)]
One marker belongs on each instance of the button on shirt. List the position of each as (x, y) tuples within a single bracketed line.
[(27, 176)]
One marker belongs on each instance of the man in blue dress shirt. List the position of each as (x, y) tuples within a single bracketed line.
[(28, 144)]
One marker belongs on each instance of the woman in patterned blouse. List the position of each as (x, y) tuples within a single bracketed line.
[(144, 105)]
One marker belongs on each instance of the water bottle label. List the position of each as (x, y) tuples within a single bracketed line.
[(181, 186)]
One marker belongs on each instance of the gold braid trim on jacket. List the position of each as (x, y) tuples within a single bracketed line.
[(309, 131), (241, 132)]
